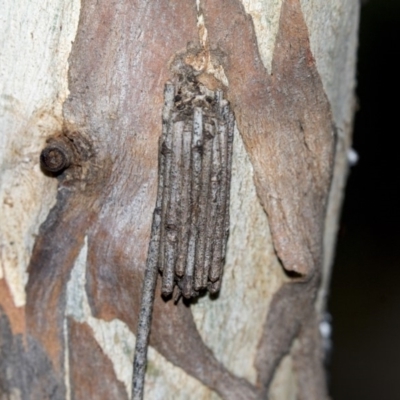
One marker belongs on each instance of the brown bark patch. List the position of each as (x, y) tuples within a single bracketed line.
[(92, 374), (57, 246), (25, 368)]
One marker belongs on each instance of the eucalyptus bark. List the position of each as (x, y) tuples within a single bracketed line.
[(90, 75)]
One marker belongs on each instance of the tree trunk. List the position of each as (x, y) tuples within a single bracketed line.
[(89, 78)]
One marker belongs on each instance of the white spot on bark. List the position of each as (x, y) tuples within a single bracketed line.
[(67, 380), (352, 157), (203, 33), (203, 61)]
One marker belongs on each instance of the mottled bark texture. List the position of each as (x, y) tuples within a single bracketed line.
[(120, 61)]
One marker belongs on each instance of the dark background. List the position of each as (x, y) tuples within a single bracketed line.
[(365, 289)]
